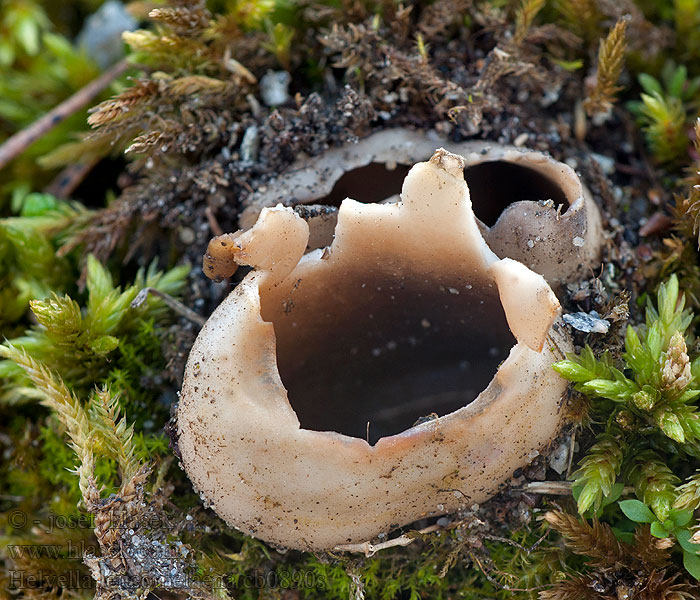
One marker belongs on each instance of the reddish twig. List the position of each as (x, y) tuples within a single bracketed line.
[(19, 142)]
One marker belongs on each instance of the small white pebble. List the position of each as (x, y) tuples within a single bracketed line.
[(578, 241), (274, 87), (606, 163), (250, 144), (186, 236)]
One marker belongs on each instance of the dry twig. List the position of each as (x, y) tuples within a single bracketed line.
[(19, 142)]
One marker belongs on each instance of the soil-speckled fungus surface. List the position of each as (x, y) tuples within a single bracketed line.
[(408, 314)]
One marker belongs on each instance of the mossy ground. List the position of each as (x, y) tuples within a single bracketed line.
[(92, 497)]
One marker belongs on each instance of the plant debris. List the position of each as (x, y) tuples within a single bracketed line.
[(587, 322)]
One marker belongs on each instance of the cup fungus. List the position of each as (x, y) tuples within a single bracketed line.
[(300, 415), (529, 207)]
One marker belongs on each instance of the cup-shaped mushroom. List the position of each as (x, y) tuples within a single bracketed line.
[(401, 373), (529, 207)]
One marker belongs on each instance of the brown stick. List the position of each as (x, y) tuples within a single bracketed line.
[(71, 177), (19, 142), (369, 549)]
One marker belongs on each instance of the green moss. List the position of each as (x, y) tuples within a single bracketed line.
[(80, 343), (201, 67), (57, 466), (648, 403)]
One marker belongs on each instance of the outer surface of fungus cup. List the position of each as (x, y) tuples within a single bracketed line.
[(407, 314)]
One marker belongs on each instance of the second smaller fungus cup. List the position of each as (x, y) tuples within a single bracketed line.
[(528, 206)]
